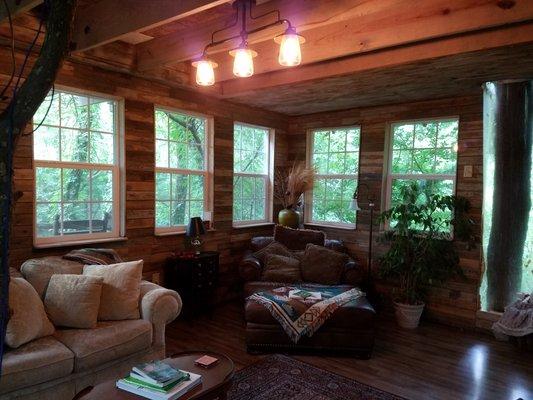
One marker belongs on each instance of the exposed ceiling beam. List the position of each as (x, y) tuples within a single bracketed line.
[(106, 21), (430, 20), (17, 7), (339, 28), (304, 14), (518, 34)]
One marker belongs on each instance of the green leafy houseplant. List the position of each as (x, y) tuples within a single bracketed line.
[(421, 252)]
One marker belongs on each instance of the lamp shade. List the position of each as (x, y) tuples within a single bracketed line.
[(205, 73), (290, 54), (354, 205), (195, 227), (243, 63)]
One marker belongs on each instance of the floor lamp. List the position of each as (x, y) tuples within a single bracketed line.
[(370, 199)]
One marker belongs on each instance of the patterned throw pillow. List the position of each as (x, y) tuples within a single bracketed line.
[(281, 269), (321, 265), (272, 248), (72, 301)]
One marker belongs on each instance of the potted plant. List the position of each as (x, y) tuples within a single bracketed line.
[(422, 252), (289, 189)]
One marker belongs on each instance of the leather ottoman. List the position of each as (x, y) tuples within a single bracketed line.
[(349, 331)]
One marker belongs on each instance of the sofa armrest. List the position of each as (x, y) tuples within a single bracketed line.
[(250, 268), (160, 306), (353, 273)]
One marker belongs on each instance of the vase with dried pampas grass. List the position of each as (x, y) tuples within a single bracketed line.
[(289, 189)]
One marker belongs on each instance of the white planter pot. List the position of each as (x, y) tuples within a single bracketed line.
[(407, 315)]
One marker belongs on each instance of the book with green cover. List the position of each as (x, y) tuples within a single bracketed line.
[(157, 372), (161, 389)]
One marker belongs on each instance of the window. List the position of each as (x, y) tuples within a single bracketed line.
[(76, 157), (422, 153), (334, 153), (182, 166), (252, 172)]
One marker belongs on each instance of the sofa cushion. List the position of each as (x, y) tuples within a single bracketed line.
[(38, 271), (27, 318), (297, 239), (272, 248), (73, 300), (120, 291), (35, 362), (281, 269), (259, 242), (109, 341), (322, 265)]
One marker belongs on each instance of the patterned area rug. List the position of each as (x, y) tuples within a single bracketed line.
[(280, 377)]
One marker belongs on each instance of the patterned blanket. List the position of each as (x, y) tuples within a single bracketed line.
[(94, 256), (303, 317)]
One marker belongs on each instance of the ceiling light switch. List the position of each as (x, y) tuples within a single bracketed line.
[(468, 171)]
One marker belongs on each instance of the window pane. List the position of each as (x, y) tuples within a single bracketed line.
[(403, 136), (101, 185), (195, 157), (48, 184), (46, 143), (321, 142), (252, 156), (196, 208), (196, 187), (179, 213), (101, 148), (423, 161), (336, 163), (162, 213), (425, 135), (75, 218), (401, 161), (75, 184), (337, 140), (46, 216), (445, 161), (448, 133), (52, 118), (178, 155), (162, 186), (101, 217), (74, 145), (352, 163), (102, 115), (320, 162), (161, 125), (74, 111), (161, 153)]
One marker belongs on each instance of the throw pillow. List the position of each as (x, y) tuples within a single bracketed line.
[(120, 290), (321, 265), (281, 269), (73, 301), (297, 239), (27, 320), (272, 248)]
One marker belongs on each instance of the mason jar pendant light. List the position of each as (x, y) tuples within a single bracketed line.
[(205, 71), (289, 55)]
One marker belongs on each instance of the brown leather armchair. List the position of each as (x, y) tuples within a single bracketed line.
[(351, 329)]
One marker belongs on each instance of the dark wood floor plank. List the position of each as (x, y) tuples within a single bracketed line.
[(433, 362)]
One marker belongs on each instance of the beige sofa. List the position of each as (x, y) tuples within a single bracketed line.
[(59, 366)]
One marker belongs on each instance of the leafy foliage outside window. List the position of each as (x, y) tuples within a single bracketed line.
[(251, 173), (181, 168), (335, 157), (76, 166), (423, 153)]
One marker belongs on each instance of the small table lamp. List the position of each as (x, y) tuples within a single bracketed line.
[(194, 231)]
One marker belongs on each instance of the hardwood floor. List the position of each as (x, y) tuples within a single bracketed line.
[(433, 362)]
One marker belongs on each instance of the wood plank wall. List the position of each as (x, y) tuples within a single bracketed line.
[(456, 302), (140, 96)]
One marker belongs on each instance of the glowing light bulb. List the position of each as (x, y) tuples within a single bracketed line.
[(243, 63), (205, 73), (290, 54)]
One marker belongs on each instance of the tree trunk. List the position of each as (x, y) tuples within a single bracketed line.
[(508, 135), (19, 112)]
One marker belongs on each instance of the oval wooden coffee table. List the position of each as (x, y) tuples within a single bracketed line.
[(216, 380)]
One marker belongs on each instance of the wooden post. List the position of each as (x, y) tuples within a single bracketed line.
[(508, 133)]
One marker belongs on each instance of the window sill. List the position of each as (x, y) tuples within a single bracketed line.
[(331, 226), (78, 242), (162, 234), (254, 225)]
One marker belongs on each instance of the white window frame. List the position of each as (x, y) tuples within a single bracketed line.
[(308, 209), (389, 176), (116, 168), (207, 173), (269, 178)]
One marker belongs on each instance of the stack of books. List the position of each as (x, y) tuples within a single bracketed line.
[(305, 295), (159, 381)]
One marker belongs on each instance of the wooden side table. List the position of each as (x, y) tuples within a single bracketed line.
[(195, 279)]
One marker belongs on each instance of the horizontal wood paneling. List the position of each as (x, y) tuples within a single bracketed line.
[(457, 301)]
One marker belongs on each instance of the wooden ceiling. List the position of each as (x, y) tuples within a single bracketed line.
[(358, 52)]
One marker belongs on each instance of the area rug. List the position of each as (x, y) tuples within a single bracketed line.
[(280, 377)]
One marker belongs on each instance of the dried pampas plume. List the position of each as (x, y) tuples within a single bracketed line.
[(290, 187)]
